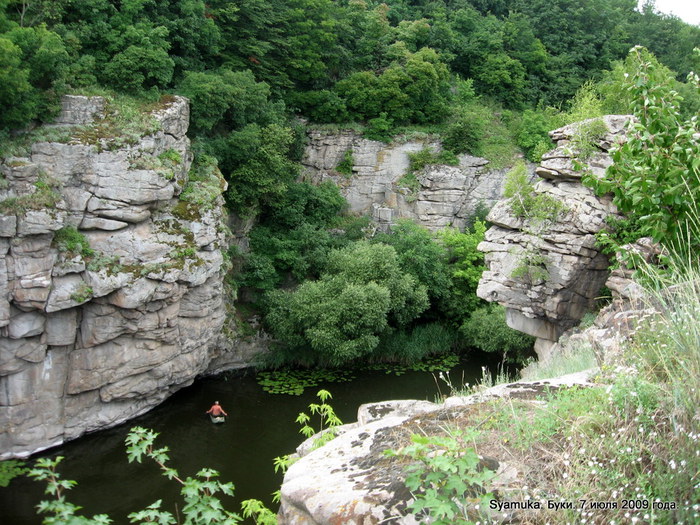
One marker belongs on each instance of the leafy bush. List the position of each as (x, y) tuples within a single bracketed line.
[(340, 317), (656, 172), (379, 128), (533, 132), (487, 330), (345, 166), (447, 478), (525, 203), (465, 134), (411, 346), (69, 239)]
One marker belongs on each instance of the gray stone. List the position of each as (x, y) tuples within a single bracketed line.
[(547, 273), (80, 110), (26, 324), (89, 341), (67, 291), (61, 327), (92, 368), (36, 222), (448, 196), (8, 225), (98, 223)]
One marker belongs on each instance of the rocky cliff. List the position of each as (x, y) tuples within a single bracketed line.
[(446, 196), (111, 294), (548, 272)]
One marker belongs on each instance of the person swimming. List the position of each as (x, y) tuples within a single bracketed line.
[(216, 410)]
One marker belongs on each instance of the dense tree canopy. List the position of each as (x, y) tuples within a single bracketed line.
[(486, 77)]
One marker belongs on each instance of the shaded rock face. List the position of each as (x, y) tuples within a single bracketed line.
[(91, 339), (448, 195), (548, 274)]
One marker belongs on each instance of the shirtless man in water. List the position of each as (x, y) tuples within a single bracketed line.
[(216, 410)]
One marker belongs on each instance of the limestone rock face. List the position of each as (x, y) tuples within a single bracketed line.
[(548, 273), (92, 337), (447, 196)]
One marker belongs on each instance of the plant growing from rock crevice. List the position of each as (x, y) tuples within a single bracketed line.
[(539, 209), (531, 267), (346, 164), (448, 478)]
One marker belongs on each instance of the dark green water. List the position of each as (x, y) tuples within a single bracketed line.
[(260, 427)]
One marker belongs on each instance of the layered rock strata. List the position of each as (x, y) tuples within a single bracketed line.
[(446, 196), (547, 273), (111, 292)]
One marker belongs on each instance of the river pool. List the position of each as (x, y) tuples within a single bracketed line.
[(260, 427)]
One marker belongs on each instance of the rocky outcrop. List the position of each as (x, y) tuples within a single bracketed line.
[(446, 196), (351, 480), (111, 294), (547, 273)]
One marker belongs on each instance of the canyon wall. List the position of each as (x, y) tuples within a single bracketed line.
[(446, 196), (111, 274)]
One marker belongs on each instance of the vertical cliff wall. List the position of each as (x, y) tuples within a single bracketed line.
[(548, 273), (111, 294), (446, 196)]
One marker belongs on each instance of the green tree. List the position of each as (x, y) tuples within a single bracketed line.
[(341, 317), (265, 171), (465, 265), (486, 329), (225, 98), (655, 176)]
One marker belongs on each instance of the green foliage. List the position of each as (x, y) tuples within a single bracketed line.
[(205, 184), (379, 128), (447, 477), (419, 255), (487, 330), (43, 197), (533, 132), (60, 510), (585, 104), (328, 420), (292, 237), (465, 265), (266, 172), (464, 134), (345, 166), (33, 62), (584, 141), (656, 173), (420, 159), (525, 203), (531, 267), (233, 99), (321, 107), (10, 469), (201, 494), (413, 89), (415, 345), (340, 317), (69, 239), (82, 293)]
